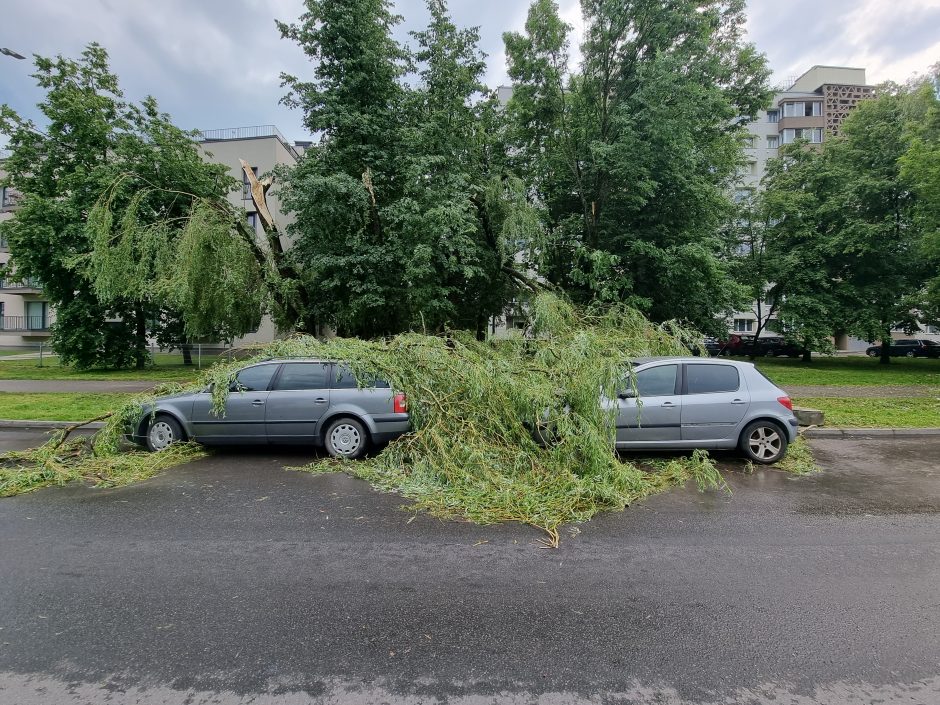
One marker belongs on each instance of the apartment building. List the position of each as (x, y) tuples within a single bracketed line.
[(25, 314), (813, 107)]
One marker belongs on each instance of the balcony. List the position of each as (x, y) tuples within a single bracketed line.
[(30, 285), (24, 324)]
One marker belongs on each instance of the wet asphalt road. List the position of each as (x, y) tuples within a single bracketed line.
[(234, 581)]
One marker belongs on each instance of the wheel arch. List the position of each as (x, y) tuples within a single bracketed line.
[(155, 413), (781, 426), (332, 416)]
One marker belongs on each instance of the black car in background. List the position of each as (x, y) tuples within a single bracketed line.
[(909, 347)]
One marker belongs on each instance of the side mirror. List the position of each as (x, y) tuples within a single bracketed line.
[(626, 394)]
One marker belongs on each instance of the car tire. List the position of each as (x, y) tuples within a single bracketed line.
[(910, 353), (763, 442), (872, 353), (162, 432), (346, 438)]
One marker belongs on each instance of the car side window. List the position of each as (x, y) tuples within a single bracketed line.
[(711, 379), (254, 379), (657, 381), (302, 375), (343, 378)]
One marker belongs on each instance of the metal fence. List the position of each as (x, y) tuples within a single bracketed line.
[(24, 323), (199, 356)]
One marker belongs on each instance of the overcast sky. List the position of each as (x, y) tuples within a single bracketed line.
[(216, 63)]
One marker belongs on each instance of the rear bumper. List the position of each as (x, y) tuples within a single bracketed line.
[(388, 427), (793, 429)]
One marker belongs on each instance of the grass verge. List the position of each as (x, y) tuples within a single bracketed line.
[(57, 406), (850, 371), (894, 412)]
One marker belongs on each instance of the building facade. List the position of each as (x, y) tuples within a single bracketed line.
[(813, 108), (25, 314)]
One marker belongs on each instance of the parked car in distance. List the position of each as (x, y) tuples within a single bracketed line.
[(908, 347), (289, 401), (696, 402)]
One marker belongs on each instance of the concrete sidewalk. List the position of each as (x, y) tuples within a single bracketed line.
[(116, 386)]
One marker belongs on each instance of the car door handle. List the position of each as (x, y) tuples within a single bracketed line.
[(669, 405), (738, 401), (319, 400), (257, 402)]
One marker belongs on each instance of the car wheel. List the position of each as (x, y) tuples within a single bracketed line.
[(763, 442), (162, 432), (909, 353), (871, 352), (346, 438)]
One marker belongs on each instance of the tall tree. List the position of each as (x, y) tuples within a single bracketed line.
[(635, 152), (103, 290), (880, 235), (920, 170), (396, 225)]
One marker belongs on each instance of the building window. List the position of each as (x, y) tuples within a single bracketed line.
[(773, 141), (253, 221), (773, 116), (743, 325), (246, 185), (802, 109), (810, 134), (743, 194), (750, 142), (37, 315)]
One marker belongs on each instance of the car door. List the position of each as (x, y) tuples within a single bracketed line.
[(652, 417), (714, 402), (243, 421), (299, 397)]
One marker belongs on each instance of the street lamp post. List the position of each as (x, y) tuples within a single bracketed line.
[(11, 53)]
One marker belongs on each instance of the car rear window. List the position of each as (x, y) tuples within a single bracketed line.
[(711, 379), (302, 375), (254, 379), (344, 379)]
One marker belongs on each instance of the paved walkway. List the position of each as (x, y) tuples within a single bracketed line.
[(883, 391), (116, 386)]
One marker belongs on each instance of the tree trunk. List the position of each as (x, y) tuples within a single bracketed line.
[(885, 351), (141, 334), (807, 353), (187, 349)]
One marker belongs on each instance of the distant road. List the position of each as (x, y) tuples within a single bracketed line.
[(79, 385)]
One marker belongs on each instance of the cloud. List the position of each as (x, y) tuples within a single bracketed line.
[(217, 63)]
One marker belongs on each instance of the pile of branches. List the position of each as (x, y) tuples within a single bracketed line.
[(474, 405)]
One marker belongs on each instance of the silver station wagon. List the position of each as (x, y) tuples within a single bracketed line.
[(694, 402), (299, 402)]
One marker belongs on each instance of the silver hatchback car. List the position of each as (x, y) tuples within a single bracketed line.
[(695, 402), (282, 402)]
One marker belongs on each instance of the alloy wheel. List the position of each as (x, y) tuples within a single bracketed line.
[(765, 443)]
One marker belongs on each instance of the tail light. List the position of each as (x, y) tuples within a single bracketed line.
[(401, 403), (786, 402)]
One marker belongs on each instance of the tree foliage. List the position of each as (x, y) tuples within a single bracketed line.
[(631, 157), (400, 207)]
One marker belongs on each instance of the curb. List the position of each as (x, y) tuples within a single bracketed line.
[(11, 424), (869, 432)]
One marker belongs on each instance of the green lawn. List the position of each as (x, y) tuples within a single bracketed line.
[(167, 368), (57, 406), (897, 412), (850, 371)]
